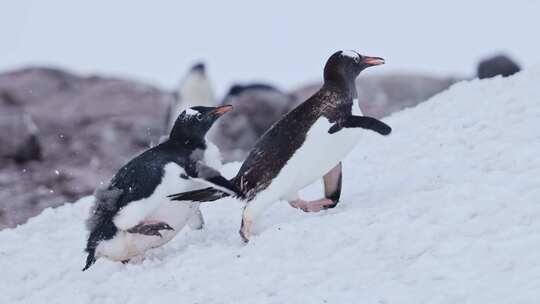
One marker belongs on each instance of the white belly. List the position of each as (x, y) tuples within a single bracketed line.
[(320, 152)]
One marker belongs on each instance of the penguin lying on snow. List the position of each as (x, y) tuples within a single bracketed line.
[(132, 214), (307, 143)]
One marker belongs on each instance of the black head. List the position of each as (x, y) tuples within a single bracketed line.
[(194, 122), (199, 67), (344, 66)]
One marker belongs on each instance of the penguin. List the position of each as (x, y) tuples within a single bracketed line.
[(308, 142), (497, 65), (195, 90), (132, 213)]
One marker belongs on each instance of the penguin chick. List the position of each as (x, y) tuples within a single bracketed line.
[(132, 213)]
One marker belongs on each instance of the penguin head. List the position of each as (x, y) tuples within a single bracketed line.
[(346, 65), (193, 123)]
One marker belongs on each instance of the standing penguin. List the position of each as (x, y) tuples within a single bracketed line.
[(307, 143), (195, 90), (132, 213)]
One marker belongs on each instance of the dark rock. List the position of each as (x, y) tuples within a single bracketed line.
[(7, 99), (18, 135), (497, 65)]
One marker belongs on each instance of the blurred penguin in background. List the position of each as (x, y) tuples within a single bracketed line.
[(499, 65), (194, 90), (257, 106)]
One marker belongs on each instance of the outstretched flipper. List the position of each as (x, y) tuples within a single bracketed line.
[(364, 122), (214, 178), (150, 228), (203, 195)]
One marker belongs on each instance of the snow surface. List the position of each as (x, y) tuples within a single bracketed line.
[(445, 210)]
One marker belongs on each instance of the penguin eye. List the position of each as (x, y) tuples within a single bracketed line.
[(199, 116)]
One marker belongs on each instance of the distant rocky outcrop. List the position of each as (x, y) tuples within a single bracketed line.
[(61, 134)]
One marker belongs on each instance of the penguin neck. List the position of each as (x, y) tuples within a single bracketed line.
[(194, 143), (341, 84)]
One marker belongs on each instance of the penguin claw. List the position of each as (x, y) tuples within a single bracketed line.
[(240, 194), (244, 230), (150, 229), (243, 236)]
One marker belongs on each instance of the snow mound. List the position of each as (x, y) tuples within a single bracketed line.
[(445, 210)]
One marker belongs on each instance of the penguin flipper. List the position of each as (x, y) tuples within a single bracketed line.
[(214, 178), (369, 123), (335, 128), (150, 229), (202, 195)]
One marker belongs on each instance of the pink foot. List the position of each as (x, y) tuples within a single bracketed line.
[(313, 206)]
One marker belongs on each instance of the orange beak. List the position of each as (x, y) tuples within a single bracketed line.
[(372, 61), (223, 109)]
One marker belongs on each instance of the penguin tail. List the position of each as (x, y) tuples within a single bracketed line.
[(203, 195), (90, 259)]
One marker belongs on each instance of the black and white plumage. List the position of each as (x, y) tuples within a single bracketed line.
[(307, 143), (132, 213)]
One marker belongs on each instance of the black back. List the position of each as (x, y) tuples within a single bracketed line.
[(139, 178)]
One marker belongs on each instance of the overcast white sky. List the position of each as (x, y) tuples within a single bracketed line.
[(283, 42)]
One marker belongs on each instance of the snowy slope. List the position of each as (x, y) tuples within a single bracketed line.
[(445, 210)]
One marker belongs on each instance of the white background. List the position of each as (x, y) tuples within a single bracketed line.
[(283, 42)]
